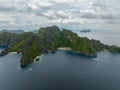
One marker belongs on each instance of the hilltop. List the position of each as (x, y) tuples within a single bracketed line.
[(49, 39)]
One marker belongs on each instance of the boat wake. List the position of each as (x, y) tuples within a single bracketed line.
[(101, 60), (26, 69), (29, 69)]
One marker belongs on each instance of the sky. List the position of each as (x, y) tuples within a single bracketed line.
[(73, 14)]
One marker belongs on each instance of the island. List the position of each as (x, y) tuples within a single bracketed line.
[(85, 31), (49, 39)]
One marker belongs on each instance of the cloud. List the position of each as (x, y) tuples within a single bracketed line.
[(93, 15), (109, 17), (100, 5), (7, 8), (36, 13), (53, 15), (87, 14)]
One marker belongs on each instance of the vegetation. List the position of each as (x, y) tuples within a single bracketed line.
[(49, 39)]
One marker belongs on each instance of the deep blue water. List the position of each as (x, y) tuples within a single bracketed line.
[(62, 70), (65, 70)]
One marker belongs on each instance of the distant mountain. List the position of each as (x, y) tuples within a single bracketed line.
[(13, 31), (35, 31), (84, 31), (49, 39)]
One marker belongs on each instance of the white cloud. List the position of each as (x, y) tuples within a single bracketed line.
[(62, 13), (35, 13)]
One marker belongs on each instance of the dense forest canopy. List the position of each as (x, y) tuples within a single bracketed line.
[(49, 39)]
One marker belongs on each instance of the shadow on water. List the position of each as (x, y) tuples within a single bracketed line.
[(73, 53), (2, 48)]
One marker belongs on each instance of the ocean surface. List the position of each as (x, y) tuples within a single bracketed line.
[(110, 37), (63, 70)]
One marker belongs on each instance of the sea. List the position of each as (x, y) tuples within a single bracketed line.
[(65, 70)]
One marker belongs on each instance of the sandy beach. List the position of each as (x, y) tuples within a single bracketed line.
[(64, 48)]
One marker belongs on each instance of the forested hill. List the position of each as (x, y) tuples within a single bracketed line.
[(12, 31), (49, 39)]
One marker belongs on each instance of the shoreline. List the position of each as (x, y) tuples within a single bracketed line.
[(64, 48), (38, 58), (13, 53)]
